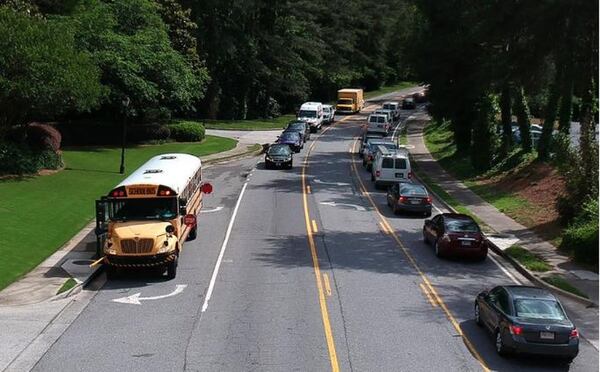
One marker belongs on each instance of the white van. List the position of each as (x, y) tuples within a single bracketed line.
[(391, 166), (312, 113), (377, 123), (393, 106)]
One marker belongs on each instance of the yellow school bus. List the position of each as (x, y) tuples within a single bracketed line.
[(144, 220)]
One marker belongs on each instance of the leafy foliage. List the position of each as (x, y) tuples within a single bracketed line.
[(187, 131)]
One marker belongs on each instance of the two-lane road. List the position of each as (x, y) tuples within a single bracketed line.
[(306, 270)]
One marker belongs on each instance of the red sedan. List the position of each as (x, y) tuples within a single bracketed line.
[(455, 235)]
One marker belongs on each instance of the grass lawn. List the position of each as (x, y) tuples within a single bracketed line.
[(439, 141), (258, 124), (39, 214), (389, 89), (561, 283), (527, 259)]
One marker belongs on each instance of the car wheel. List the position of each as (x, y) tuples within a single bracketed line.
[(436, 248), (290, 165), (477, 315), (111, 272), (267, 165), (172, 269), (396, 209), (501, 349), (568, 360), (425, 239), (482, 258), (428, 214), (372, 177)]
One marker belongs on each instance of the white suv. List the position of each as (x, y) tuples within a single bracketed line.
[(394, 107)]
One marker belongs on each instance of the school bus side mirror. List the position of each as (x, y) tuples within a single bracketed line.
[(170, 229)]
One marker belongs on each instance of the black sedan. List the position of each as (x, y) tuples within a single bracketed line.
[(408, 104), (291, 139), (279, 156), (409, 197), (299, 126), (527, 320)]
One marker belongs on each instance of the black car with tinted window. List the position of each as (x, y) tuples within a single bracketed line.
[(299, 126), (409, 197), (279, 156), (527, 320)]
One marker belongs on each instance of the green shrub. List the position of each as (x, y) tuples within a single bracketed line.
[(581, 237), (19, 159), (187, 131)]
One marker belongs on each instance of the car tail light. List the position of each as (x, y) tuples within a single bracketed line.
[(370, 157), (574, 333), (410, 175), (515, 330), (427, 200), (377, 173), (402, 199)]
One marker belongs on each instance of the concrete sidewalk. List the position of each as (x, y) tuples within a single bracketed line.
[(509, 231)]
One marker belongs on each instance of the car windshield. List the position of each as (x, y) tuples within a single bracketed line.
[(296, 127), (462, 225), (346, 101), (407, 189), (279, 150), (307, 114), (143, 209), (534, 308), (289, 136)]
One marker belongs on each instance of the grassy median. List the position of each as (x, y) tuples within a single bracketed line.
[(258, 124), (389, 89), (39, 214)]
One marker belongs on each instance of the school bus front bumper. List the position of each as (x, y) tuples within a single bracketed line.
[(154, 260)]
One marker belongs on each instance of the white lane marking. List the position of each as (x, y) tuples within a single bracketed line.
[(334, 204), (216, 209), (436, 208), (213, 279), (504, 270), (135, 299), (331, 183)]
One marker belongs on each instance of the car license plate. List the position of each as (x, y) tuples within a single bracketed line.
[(465, 243), (399, 175), (415, 201), (546, 335), (278, 163)]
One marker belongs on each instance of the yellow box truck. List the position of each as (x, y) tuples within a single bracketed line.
[(350, 101)]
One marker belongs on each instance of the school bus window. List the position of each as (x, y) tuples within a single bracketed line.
[(146, 209)]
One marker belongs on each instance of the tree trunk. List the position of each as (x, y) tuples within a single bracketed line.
[(588, 147), (461, 126), (523, 118), (506, 118), (551, 109), (482, 149), (566, 102)]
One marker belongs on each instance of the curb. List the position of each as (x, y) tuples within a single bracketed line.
[(247, 153), (520, 268)]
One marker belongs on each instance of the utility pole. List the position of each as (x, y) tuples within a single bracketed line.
[(125, 103)]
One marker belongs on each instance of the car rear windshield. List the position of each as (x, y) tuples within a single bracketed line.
[(407, 189), (279, 150), (387, 163), (289, 135), (400, 164), (381, 119), (538, 309), (373, 119), (296, 126), (307, 114), (462, 225)]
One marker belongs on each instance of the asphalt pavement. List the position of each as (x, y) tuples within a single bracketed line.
[(304, 269)]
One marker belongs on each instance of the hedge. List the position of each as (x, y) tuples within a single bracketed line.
[(187, 131)]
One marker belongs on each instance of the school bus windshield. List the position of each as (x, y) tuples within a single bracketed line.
[(143, 209)]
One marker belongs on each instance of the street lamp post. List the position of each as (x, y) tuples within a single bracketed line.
[(125, 103)]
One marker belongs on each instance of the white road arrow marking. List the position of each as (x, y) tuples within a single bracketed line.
[(135, 299), (331, 183), (334, 204), (211, 210)]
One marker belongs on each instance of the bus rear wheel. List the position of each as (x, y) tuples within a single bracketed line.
[(172, 268)]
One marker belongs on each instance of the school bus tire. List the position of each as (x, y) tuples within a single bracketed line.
[(172, 268), (111, 272), (193, 233)]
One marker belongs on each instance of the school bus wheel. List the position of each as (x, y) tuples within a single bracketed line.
[(192, 234), (111, 272), (172, 268)]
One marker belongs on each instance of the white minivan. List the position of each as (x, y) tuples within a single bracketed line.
[(392, 106), (312, 113), (390, 166), (377, 123)]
